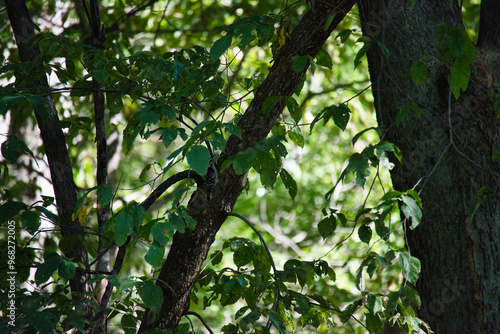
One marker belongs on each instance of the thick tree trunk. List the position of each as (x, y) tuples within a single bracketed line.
[(189, 250), (447, 157)]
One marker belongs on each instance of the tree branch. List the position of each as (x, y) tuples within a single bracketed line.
[(55, 146), (189, 250), (122, 250)]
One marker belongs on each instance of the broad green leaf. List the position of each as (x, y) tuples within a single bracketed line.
[(220, 46), (294, 108), (361, 53), (327, 226), (418, 72), (374, 303), (242, 161), (155, 255), (323, 58), (13, 148), (168, 136), (410, 267), (158, 233), (198, 158), (123, 226), (344, 35), (409, 297), (268, 167), (104, 194), (365, 233), (9, 209), (41, 324), (302, 306), (296, 137), (233, 129), (460, 75), (47, 268), (243, 251), (299, 63), (341, 116), (374, 324), (289, 183), (269, 103), (152, 296), (30, 221), (411, 210)]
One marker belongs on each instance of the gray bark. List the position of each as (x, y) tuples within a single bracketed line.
[(447, 157)]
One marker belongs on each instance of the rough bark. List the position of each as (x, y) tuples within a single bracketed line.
[(447, 158), (189, 250), (55, 146)]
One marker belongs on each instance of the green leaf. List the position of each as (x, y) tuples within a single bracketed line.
[(374, 324), (220, 46), (374, 303), (296, 137), (40, 106), (242, 161), (409, 297), (67, 269), (327, 226), (152, 296), (158, 232), (341, 116), (168, 135), (30, 221), (268, 167), (294, 108), (344, 35), (243, 251), (303, 306), (198, 158), (269, 103), (324, 59), (47, 268), (411, 210), (299, 63), (418, 72), (104, 194), (365, 233), (155, 255), (410, 267), (233, 129), (13, 148), (123, 226), (9, 209), (361, 53), (289, 183), (460, 75)]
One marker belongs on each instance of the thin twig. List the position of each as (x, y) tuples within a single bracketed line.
[(276, 294)]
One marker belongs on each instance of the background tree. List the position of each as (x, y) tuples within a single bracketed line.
[(212, 102), (436, 96)]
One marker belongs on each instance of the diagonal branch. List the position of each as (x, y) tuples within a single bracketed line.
[(189, 250)]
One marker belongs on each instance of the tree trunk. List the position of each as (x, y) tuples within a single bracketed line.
[(55, 147), (447, 157)]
